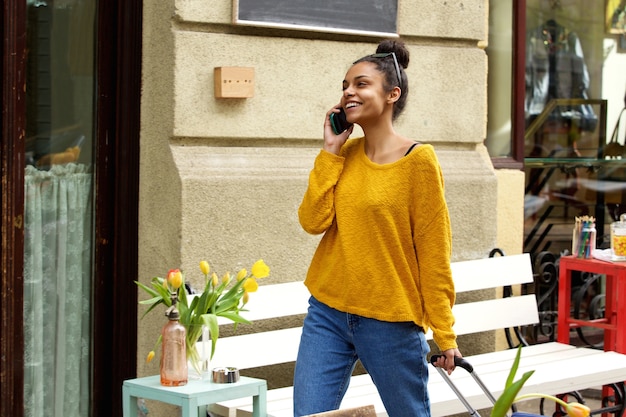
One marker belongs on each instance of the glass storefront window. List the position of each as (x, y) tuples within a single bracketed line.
[(575, 90), (572, 100)]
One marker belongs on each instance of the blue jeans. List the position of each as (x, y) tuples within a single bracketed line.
[(394, 354)]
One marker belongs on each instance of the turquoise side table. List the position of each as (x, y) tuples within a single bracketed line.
[(194, 395)]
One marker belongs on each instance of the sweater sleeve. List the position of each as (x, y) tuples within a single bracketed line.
[(433, 244), (317, 210)]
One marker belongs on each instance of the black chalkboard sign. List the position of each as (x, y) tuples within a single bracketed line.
[(365, 17)]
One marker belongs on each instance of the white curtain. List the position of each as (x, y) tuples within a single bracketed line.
[(57, 290)]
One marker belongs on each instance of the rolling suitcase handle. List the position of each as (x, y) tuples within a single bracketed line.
[(462, 363)]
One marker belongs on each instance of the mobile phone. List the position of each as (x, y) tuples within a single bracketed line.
[(338, 121)]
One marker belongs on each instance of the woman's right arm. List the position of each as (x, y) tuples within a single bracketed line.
[(317, 210)]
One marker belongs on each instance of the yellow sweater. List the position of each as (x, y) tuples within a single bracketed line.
[(385, 253)]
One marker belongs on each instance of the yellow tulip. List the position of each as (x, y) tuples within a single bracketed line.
[(572, 409), (246, 297), (260, 270), (150, 356), (226, 278), (250, 285), (242, 274), (577, 410), (214, 279), (175, 278), (204, 267)]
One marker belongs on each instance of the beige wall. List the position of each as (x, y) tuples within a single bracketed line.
[(510, 224), (221, 179)]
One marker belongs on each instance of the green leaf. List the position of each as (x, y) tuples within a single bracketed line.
[(147, 289), (226, 305), (194, 304), (155, 300), (163, 292), (184, 312), (235, 288), (235, 317), (150, 309), (203, 304), (210, 320), (514, 368), (182, 293), (504, 402)]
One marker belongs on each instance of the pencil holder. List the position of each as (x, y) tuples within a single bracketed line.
[(584, 237)]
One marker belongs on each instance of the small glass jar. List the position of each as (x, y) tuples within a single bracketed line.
[(588, 244), (584, 237), (618, 239)]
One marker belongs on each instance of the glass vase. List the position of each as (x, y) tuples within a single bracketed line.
[(198, 351)]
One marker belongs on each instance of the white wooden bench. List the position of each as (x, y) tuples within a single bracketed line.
[(558, 368)]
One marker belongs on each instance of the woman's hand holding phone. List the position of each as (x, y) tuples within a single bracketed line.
[(339, 122), (336, 129)]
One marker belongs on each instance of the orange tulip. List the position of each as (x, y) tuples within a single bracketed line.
[(175, 278)]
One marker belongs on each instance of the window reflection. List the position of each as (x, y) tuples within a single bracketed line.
[(58, 210), (574, 93)]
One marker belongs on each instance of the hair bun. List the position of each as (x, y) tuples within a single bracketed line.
[(397, 47)]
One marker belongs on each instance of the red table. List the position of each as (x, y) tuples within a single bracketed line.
[(614, 321)]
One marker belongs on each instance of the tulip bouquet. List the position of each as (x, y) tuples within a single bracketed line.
[(225, 297), (509, 396)]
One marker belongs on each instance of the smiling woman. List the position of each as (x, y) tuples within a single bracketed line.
[(379, 201)]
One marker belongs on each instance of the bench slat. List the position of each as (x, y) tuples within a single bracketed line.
[(290, 299), (277, 300), (266, 348), (281, 346), (480, 274), (482, 316)]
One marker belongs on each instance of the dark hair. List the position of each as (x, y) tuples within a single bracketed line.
[(387, 66)]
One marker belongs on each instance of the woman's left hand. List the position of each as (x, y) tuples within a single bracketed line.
[(446, 361)]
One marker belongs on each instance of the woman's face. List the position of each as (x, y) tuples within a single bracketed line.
[(364, 97)]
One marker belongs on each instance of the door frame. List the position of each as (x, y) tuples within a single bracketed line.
[(12, 200), (118, 101)]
